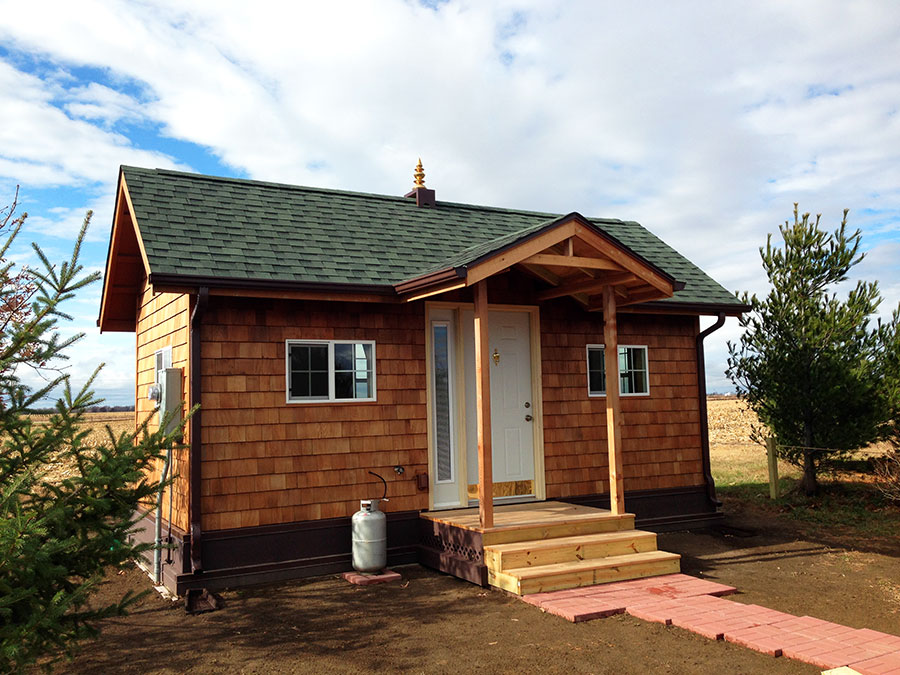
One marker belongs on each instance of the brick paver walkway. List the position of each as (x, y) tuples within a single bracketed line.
[(696, 605)]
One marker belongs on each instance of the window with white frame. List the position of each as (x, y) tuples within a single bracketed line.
[(330, 370), (162, 360), (634, 378)]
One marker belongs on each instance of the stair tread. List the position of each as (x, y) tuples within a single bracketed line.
[(590, 564), (562, 542)]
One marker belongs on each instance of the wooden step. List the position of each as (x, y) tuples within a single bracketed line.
[(561, 528), (524, 580), (501, 557)]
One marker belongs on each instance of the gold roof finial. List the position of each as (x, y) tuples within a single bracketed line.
[(419, 175)]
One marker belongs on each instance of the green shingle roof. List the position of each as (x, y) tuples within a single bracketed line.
[(194, 225)]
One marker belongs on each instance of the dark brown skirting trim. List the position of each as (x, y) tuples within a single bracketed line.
[(276, 553), (251, 575), (270, 553), (661, 510), (175, 561)]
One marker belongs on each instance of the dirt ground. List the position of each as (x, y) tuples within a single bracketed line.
[(432, 623)]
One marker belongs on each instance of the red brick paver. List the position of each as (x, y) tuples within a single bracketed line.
[(696, 605), (361, 579)]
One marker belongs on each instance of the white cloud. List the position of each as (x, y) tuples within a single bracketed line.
[(703, 121)]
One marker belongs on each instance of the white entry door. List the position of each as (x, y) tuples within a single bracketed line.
[(453, 417), (512, 410)]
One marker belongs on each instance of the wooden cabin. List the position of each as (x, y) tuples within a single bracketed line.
[(514, 376)]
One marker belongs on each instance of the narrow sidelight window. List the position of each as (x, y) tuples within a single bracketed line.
[(443, 427)]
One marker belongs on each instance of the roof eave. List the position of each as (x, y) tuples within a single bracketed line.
[(431, 279), (164, 282), (692, 308)]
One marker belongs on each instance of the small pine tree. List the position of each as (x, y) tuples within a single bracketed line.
[(808, 364), (57, 538)]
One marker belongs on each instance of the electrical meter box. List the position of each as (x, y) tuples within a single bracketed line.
[(167, 394)]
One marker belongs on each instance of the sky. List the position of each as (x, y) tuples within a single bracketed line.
[(704, 121)]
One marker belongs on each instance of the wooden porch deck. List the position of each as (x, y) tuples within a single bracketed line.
[(530, 515), (544, 546)]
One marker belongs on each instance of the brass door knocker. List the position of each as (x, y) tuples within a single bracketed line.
[(496, 357)]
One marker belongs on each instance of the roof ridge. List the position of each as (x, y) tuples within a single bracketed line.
[(354, 193)]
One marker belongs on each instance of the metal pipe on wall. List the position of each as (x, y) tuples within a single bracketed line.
[(200, 305), (704, 421)]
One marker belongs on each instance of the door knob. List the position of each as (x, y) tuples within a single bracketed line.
[(527, 404), (528, 418)]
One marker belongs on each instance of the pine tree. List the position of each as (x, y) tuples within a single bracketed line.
[(57, 538), (808, 363)]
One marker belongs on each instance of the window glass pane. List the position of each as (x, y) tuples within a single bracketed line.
[(625, 383), (343, 385), (442, 437), (318, 384), (596, 371), (597, 384), (639, 384), (299, 384), (343, 357), (299, 357), (363, 355), (318, 357), (309, 371), (638, 359), (363, 384), (595, 358), (623, 359)]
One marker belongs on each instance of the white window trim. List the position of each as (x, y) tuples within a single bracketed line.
[(330, 344), (587, 351)]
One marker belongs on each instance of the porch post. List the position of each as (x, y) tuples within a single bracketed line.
[(483, 407), (613, 412)]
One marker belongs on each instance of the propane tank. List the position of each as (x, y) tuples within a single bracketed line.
[(369, 528)]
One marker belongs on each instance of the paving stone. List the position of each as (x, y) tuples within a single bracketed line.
[(697, 605), (888, 664), (361, 579)]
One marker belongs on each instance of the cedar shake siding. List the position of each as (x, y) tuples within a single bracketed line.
[(660, 432), (266, 461), (162, 321)]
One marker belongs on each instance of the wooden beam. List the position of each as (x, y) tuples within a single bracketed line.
[(483, 407), (641, 296), (542, 274), (585, 286), (626, 260), (573, 261), (434, 291), (613, 410), (519, 252)]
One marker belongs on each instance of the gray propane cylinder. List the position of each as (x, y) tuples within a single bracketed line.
[(369, 531)]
